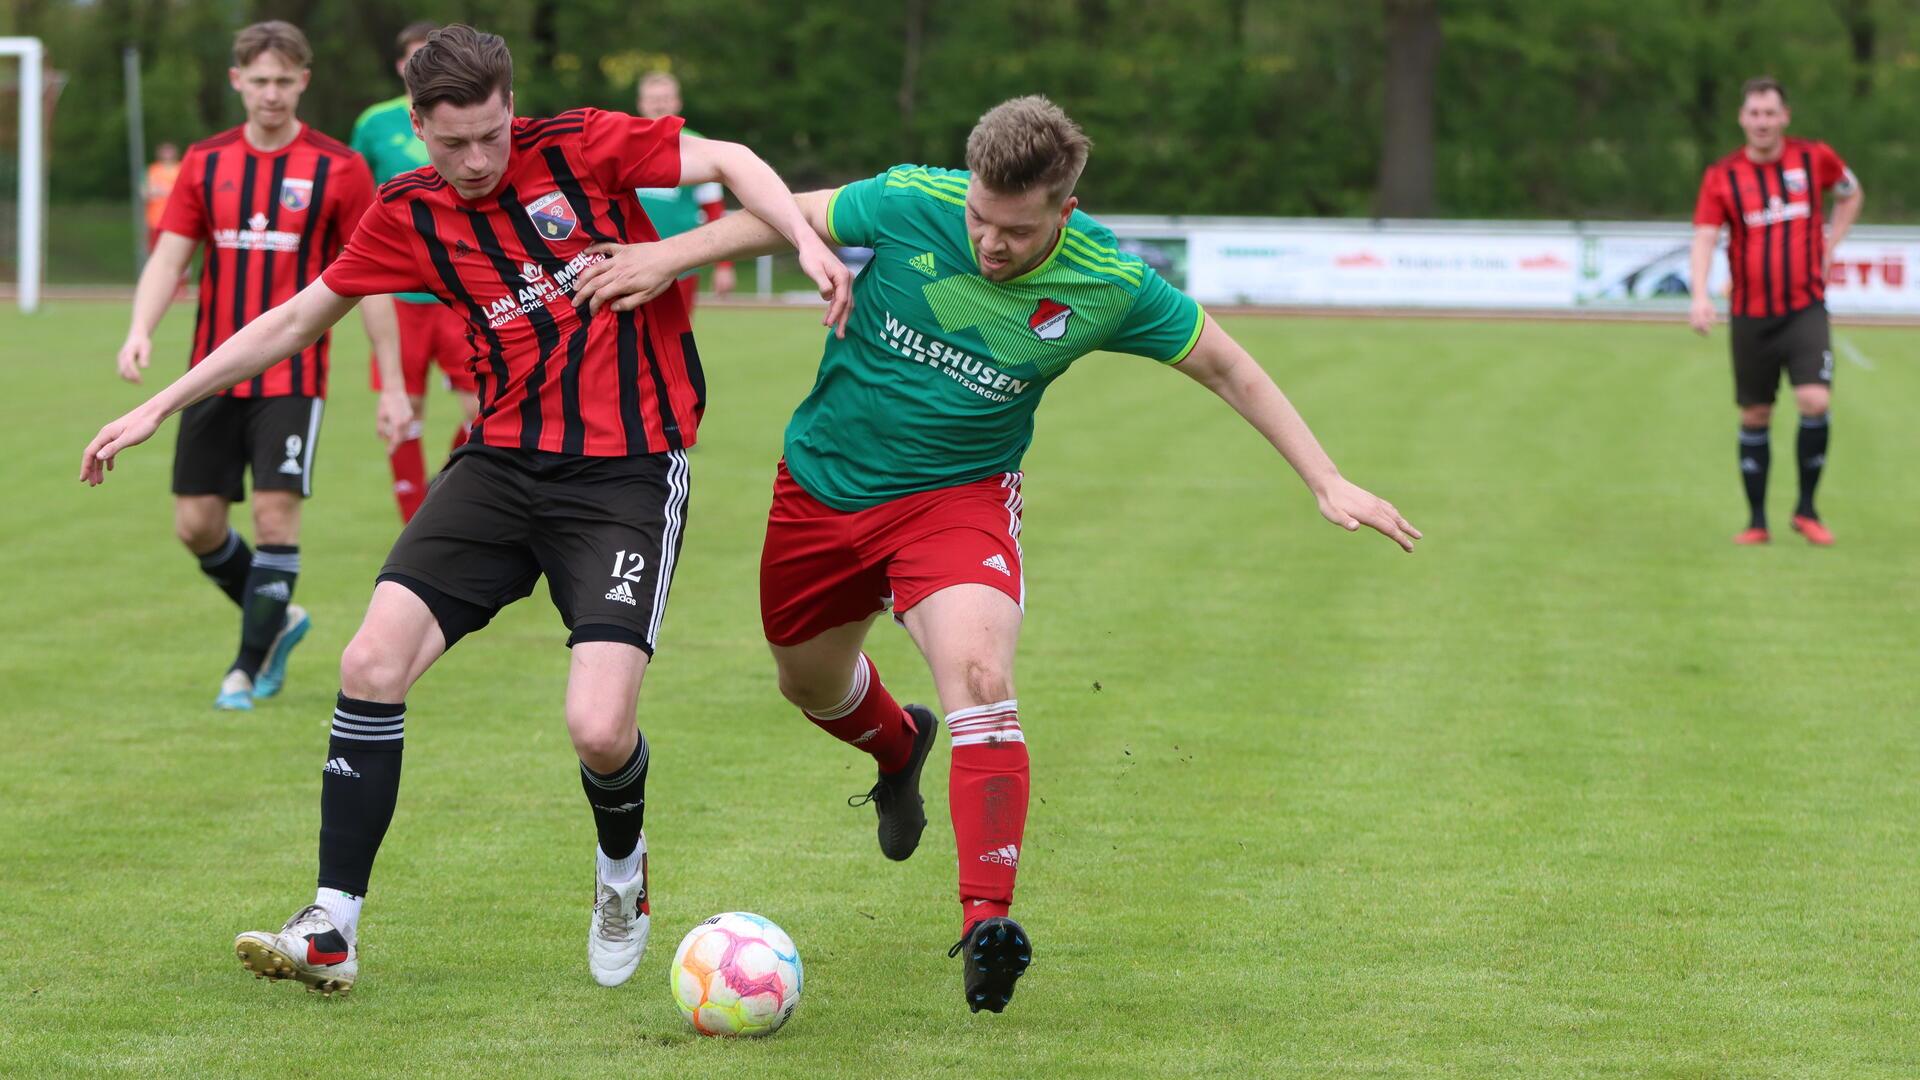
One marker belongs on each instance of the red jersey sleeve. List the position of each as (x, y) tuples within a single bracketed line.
[(185, 213), (627, 152), (378, 259), (1710, 208), (1829, 171), (351, 199)]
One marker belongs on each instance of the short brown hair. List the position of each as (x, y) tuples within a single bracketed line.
[(1025, 143), (271, 36), (1762, 84), (415, 33), (460, 66)]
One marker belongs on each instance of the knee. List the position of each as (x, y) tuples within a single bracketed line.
[(809, 690), (1756, 416), (201, 533), (604, 741), (1813, 400), (986, 681), (372, 670), (275, 522)]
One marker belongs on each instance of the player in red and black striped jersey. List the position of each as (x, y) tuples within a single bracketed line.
[(576, 468), (270, 203), (1769, 196)]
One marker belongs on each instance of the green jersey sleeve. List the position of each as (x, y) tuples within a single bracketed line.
[(853, 214), (1163, 323)]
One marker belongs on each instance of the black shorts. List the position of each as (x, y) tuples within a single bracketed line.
[(605, 531), (221, 436), (1798, 343)]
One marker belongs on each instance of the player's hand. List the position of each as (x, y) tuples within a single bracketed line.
[(130, 430), (630, 275), (393, 419), (723, 280), (830, 275), (1350, 506), (133, 357), (1700, 315)]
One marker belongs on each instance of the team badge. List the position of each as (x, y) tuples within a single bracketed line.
[(1796, 181), (296, 195), (553, 216), (1049, 320)]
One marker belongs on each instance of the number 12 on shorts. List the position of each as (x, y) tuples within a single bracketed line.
[(628, 566)]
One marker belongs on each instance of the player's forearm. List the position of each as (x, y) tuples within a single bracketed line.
[(1226, 369), (154, 291), (1845, 212), (763, 194), (262, 343), (1700, 265), (383, 331)]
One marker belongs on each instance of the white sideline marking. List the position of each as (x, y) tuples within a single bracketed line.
[(1852, 352)]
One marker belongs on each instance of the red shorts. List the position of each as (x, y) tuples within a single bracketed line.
[(823, 568), (431, 333)]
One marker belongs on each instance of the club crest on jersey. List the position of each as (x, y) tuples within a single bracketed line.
[(1796, 181), (1049, 320), (553, 216), (295, 194)]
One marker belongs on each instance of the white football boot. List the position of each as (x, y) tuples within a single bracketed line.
[(308, 948), (617, 936)]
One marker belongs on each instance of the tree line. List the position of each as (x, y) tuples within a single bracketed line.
[(1499, 108)]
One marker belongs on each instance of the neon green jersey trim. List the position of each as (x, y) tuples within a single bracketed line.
[(937, 193), (1199, 324)]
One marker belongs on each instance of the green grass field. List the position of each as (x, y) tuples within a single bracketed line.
[(1581, 789)]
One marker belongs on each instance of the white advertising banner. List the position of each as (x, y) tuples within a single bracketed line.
[(1548, 266)]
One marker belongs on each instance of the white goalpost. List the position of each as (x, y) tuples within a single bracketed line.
[(32, 193)]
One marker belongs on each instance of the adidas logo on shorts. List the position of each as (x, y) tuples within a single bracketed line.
[(623, 592), (997, 562)]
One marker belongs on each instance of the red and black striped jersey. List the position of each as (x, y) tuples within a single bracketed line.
[(270, 222), (549, 377), (1776, 230)]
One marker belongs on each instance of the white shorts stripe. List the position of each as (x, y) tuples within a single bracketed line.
[(306, 462), (677, 485)]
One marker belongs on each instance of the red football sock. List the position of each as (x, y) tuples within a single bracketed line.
[(987, 796), (409, 467), (870, 719)]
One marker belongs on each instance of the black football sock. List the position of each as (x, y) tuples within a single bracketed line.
[(276, 567), (358, 788), (619, 801), (1812, 446), (1755, 455), (227, 565)]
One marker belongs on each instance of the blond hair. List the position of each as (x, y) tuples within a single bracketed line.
[(1025, 143), (271, 36)]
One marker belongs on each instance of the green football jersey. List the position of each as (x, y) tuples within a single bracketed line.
[(938, 377), (674, 210), (384, 136)]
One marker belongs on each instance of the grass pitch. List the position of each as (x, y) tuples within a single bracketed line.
[(1581, 789)]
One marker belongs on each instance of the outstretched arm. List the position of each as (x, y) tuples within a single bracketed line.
[(1222, 366), (259, 345), (633, 274)]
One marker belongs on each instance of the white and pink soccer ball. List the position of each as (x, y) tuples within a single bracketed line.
[(736, 974)]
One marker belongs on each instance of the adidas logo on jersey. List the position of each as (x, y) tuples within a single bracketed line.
[(1003, 856), (623, 592), (275, 590), (339, 767), (997, 562), (924, 263)]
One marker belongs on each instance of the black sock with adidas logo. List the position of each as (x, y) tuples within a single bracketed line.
[(276, 567), (619, 802), (358, 788), (228, 566)]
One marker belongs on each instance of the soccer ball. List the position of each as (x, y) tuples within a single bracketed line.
[(736, 974)]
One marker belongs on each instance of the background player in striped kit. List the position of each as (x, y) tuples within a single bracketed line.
[(430, 333), (273, 201), (901, 482), (1768, 194), (576, 469)]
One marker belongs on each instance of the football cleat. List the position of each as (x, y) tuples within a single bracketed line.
[(996, 952), (896, 795), (307, 948), (273, 673), (617, 935), (1752, 536), (1810, 527), (236, 693)]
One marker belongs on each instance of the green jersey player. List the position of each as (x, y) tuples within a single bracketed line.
[(901, 481)]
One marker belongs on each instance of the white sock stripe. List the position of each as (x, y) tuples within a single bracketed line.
[(857, 693), (368, 729), (226, 550), (678, 484), (275, 560), (1007, 706), (1003, 716), (985, 726), (1016, 735), (369, 721), (367, 738), (623, 777)]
